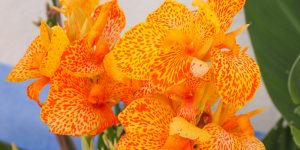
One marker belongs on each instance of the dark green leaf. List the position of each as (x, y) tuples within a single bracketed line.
[(294, 81), (275, 34), (279, 138)]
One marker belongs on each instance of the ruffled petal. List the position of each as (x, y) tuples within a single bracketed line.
[(237, 77), (115, 23), (28, 66), (135, 51), (34, 89), (226, 10), (171, 14), (79, 60), (67, 110), (146, 122), (59, 42)]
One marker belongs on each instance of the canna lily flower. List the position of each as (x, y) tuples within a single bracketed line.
[(80, 58), (167, 48), (41, 59), (146, 122), (81, 106)]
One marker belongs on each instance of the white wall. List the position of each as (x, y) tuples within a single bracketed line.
[(17, 31)]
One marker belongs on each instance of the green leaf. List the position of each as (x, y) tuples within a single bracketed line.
[(294, 81), (275, 34), (297, 111), (296, 135), (280, 138)]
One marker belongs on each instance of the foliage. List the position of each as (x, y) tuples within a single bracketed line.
[(275, 34)]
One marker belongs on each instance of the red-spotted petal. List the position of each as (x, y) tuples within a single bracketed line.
[(79, 59), (68, 110), (171, 14), (237, 77), (59, 42), (28, 66), (146, 122), (226, 10), (136, 50), (115, 23)]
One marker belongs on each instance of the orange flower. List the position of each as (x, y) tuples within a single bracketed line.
[(146, 123), (80, 58), (41, 59), (166, 48), (82, 106)]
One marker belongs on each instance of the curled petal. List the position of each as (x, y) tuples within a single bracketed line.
[(59, 42), (34, 89), (28, 66), (237, 77), (80, 60), (115, 23)]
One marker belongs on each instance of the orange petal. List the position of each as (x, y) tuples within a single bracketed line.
[(171, 14), (146, 122), (183, 128), (178, 143), (237, 77), (170, 67), (252, 143), (220, 139), (226, 10), (59, 42), (136, 50), (28, 66), (34, 89), (115, 23), (134, 141), (79, 59), (72, 113)]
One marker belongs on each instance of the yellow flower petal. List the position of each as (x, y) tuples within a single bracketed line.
[(59, 42)]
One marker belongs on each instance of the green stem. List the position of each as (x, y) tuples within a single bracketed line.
[(87, 143)]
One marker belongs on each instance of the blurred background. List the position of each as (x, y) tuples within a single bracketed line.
[(19, 116)]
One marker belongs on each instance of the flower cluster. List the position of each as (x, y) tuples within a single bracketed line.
[(169, 71)]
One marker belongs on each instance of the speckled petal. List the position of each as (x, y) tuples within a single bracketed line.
[(115, 23), (79, 59), (237, 77), (146, 122), (171, 14), (135, 51), (226, 10), (28, 66), (59, 42), (67, 110)]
